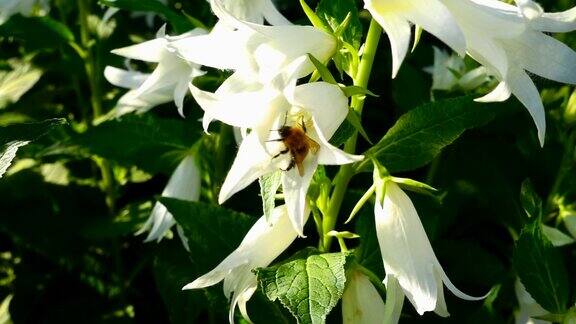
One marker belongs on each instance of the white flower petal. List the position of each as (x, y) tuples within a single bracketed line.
[(263, 243), (407, 253), (150, 51), (329, 154), (243, 109), (546, 56), (222, 49), (184, 184), (295, 188), (501, 93), (524, 89), (399, 33), (326, 102), (431, 15), (556, 22), (251, 162), (272, 15), (361, 302), (124, 78)]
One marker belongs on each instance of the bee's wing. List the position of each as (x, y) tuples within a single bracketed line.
[(314, 147)]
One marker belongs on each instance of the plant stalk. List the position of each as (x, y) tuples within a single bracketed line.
[(346, 172)]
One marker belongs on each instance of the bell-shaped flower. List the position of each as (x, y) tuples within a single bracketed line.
[(395, 17), (265, 241), (361, 302), (8, 8), (169, 80), (259, 52), (407, 253), (289, 132), (510, 40), (449, 72), (184, 184)]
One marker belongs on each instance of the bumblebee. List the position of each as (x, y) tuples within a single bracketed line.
[(297, 144)]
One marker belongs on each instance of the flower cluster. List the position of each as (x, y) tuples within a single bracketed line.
[(286, 124)]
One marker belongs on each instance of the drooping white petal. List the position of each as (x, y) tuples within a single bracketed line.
[(556, 22), (524, 89), (328, 154), (361, 302), (251, 162), (295, 188), (123, 78), (184, 184), (394, 16), (501, 93), (546, 56), (399, 33)]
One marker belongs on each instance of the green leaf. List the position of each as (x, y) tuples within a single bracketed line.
[(15, 136), (212, 231), (530, 200), (355, 121), (15, 83), (150, 143), (541, 268), (37, 32), (173, 269), (342, 17), (269, 185), (180, 22), (314, 19), (308, 286), (334, 12), (420, 134), (322, 70)]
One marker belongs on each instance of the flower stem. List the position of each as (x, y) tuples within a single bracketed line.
[(346, 171), (91, 59)]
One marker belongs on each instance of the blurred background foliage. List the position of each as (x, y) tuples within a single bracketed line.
[(73, 199)]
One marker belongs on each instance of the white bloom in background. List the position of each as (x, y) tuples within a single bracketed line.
[(255, 11), (169, 81), (8, 8), (265, 241), (528, 306), (395, 17), (314, 111), (184, 184), (361, 302), (407, 253), (449, 72), (509, 41), (506, 39), (259, 52)]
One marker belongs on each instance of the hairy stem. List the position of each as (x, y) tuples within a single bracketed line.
[(346, 172)]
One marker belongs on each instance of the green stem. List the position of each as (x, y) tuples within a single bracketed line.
[(91, 59), (346, 172)]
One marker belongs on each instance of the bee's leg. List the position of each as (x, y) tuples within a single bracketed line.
[(275, 140), (303, 124), (280, 153)]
